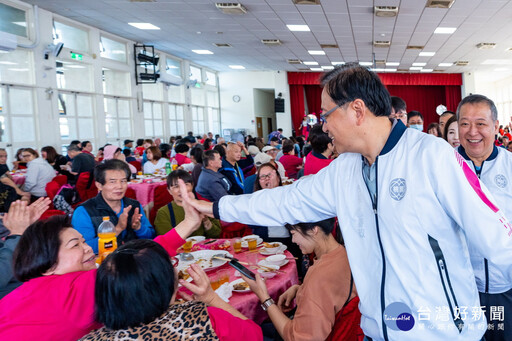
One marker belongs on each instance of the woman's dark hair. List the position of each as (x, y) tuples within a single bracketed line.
[(319, 139), (18, 154), (257, 185), (165, 149), (207, 144), (51, 154), (450, 121), (352, 81), (127, 152), (112, 164), (288, 146), (221, 150), (325, 225), (197, 153), (139, 142), (181, 148), (134, 285), (157, 155), (435, 126), (37, 251), (31, 151), (172, 178), (118, 150)]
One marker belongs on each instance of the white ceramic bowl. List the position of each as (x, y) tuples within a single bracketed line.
[(276, 260), (255, 236), (269, 274), (196, 239)]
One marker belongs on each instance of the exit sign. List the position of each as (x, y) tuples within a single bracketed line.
[(76, 56)]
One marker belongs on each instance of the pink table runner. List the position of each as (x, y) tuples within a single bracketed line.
[(145, 192), (248, 303)]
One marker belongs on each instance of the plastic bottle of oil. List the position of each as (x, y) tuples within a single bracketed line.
[(107, 240)]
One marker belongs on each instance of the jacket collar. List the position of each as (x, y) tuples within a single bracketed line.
[(493, 155), (318, 155), (397, 130)]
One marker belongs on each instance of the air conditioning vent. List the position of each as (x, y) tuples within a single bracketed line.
[(486, 46), (303, 69), (381, 43), (439, 3), (222, 45), (295, 61), (415, 47), (402, 70), (271, 42), (306, 2), (438, 71), (329, 46), (380, 61), (461, 63), (231, 8), (142, 0), (385, 11)]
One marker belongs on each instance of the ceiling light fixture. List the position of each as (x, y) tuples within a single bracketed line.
[(426, 70), (316, 52), (298, 28), (419, 64), (337, 63), (445, 30), (329, 67), (415, 68), (144, 25), (310, 63), (202, 51), (316, 69), (237, 67), (445, 64), (365, 63), (426, 54), (392, 63)]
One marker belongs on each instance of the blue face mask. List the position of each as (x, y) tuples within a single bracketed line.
[(417, 126)]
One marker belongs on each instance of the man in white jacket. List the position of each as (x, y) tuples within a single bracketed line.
[(478, 123), (406, 201)]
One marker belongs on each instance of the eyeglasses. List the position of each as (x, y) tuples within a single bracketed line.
[(267, 176), (324, 115), (26, 155)]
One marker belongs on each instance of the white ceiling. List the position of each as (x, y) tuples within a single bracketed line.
[(197, 24)]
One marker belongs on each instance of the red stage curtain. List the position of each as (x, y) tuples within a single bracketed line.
[(297, 105), (424, 99), (314, 98), (453, 97)]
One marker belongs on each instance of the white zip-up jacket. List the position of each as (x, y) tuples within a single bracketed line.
[(495, 174), (408, 254)]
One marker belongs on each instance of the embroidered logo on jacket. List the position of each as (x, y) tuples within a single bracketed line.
[(501, 181), (397, 189)]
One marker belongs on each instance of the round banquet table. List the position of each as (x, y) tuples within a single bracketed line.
[(145, 192), (248, 303)]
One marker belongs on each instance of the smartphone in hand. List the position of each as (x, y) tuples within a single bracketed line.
[(242, 269)]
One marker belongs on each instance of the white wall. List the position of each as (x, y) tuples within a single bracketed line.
[(242, 115), (264, 108)]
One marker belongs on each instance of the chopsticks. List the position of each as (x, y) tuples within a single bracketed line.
[(229, 260), (269, 269)]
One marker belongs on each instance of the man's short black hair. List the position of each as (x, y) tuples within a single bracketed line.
[(127, 152), (274, 139), (476, 99), (398, 104), (280, 130), (172, 178), (209, 155), (288, 146), (326, 226), (84, 144), (113, 164), (181, 148), (75, 142), (134, 285), (140, 142), (37, 251), (352, 81), (220, 148), (319, 139), (414, 113)]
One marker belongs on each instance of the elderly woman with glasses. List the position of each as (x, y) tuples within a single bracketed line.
[(58, 271)]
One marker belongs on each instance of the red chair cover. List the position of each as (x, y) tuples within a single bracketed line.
[(81, 184), (61, 179), (161, 198), (346, 326), (52, 188), (137, 165), (130, 193), (50, 213)]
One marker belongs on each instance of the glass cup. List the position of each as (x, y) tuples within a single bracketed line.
[(223, 276), (237, 245), (187, 246), (215, 281), (252, 243)]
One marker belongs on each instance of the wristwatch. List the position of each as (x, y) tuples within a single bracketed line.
[(267, 303)]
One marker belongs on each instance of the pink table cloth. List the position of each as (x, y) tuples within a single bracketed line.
[(145, 192), (248, 303), (18, 178)]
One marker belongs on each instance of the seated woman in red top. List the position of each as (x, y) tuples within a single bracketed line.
[(323, 148), (56, 300), (292, 164), (141, 269)]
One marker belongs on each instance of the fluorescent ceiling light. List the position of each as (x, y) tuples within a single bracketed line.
[(383, 70), (445, 30), (328, 67), (426, 70), (72, 66), (419, 64), (392, 63), (366, 63), (202, 51), (445, 64), (298, 28), (19, 70), (237, 67), (144, 25), (316, 69), (316, 52), (8, 63), (426, 54), (415, 68), (310, 63), (338, 63)]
